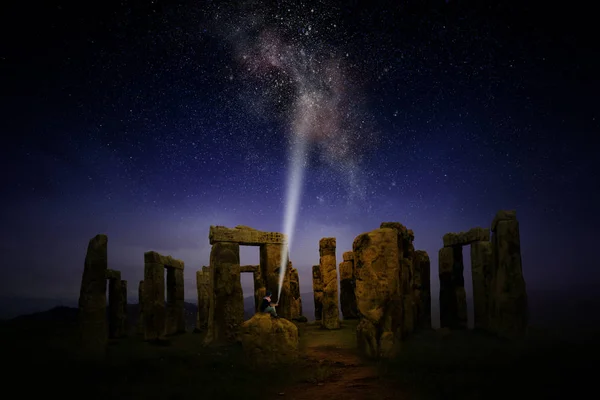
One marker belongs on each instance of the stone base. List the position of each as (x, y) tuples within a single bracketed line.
[(269, 341)]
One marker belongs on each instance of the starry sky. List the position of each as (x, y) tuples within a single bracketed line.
[(149, 121)]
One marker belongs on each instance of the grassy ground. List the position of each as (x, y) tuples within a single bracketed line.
[(39, 360), (471, 365)]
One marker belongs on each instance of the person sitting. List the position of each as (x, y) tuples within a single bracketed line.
[(268, 307)]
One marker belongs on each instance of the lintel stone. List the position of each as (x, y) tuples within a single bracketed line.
[(466, 238), (113, 274), (152, 257), (244, 235), (503, 215), (249, 268)]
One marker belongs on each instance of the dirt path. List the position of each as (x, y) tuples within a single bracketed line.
[(340, 372)]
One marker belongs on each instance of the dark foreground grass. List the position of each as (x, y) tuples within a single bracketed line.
[(472, 365), (40, 360)]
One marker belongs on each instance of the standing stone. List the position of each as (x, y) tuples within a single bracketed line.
[(481, 266), (175, 302), (406, 254), (260, 289), (509, 303), (295, 293), (92, 326), (453, 300), (123, 325), (347, 284), (115, 308), (458, 280), (140, 322), (203, 290), (448, 301), (154, 298), (226, 312), (270, 261), (285, 301), (330, 317), (317, 292), (378, 295), (422, 289)]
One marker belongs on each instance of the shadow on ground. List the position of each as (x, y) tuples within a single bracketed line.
[(40, 359)]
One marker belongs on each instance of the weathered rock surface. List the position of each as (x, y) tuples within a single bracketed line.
[(406, 254), (260, 289), (453, 301), (317, 292), (204, 291), (286, 301), (466, 238), (244, 235), (330, 314), (508, 307), (249, 268), (270, 262), (268, 341), (296, 306), (92, 324), (226, 312), (123, 328), (503, 215), (422, 289), (165, 261), (156, 324), (175, 320), (378, 296), (481, 269), (347, 284), (115, 308), (140, 321)]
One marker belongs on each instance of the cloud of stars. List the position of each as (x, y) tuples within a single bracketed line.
[(292, 72)]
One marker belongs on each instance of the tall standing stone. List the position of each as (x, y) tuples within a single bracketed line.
[(93, 329), (203, 290), (270, 262), (260, 289), (448, 302), (330, 318), (140, 322), (285, 301), (154, 297), (123, 322), (317, 292), (422, 289), (509, 303), (226, 312), (347, 284), (481, 268), (458, 281), (406, 253), (295, 293), (453, 299), (378, 293), (115, 308), (175, 319)]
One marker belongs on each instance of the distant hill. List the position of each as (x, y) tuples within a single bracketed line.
[(548, 308)]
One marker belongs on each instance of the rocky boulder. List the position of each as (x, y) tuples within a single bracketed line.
[(378, 295), (269, 341)]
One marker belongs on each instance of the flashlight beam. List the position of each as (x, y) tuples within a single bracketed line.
[(292, 201)]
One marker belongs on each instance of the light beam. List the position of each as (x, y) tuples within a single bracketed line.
[(292, 201)]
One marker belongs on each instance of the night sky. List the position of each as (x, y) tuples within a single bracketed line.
[(149, 121)]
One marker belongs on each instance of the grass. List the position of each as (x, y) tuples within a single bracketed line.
[(182, 369), (39, 360), (471, 365)]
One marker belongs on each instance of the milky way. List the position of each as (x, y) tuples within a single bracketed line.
[(301, 79)]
